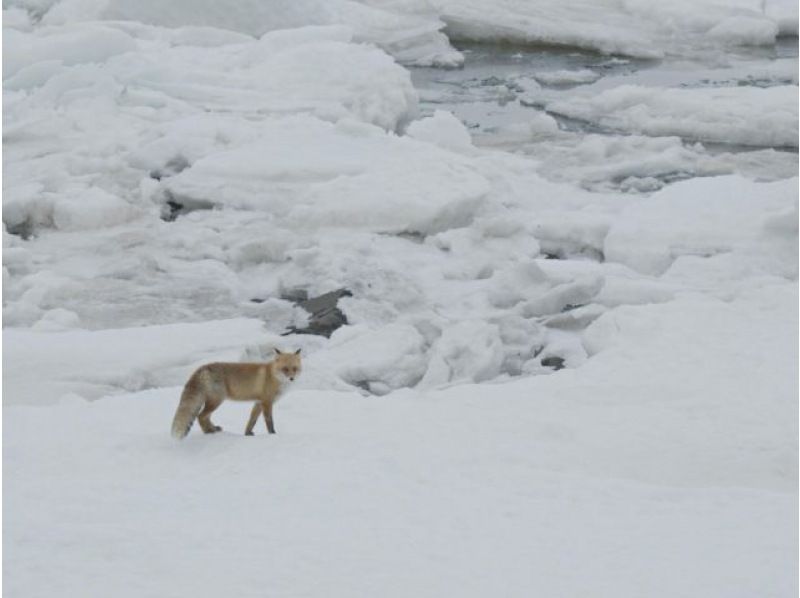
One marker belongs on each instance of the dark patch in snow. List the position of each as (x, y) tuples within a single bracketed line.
[(555, 362), (571, 306), (174, 207), (413, 236), (24, 229), (363, 385), (558, 249)]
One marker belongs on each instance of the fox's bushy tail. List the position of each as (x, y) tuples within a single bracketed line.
[(189, 407)]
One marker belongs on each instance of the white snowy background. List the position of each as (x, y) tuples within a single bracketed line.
[(569, 232)]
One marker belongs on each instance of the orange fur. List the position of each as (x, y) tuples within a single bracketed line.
[(213, 383)]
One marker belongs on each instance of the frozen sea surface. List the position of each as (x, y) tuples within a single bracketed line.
[(592, 119)]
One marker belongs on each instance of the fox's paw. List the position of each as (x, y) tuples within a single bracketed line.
[(249, 434), (213, 430)]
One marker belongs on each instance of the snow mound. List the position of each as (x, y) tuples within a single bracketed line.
[(745, 30), (703, 217), (93, 364), (90, 209), (736, 115), (640, 28), (416, 32), (73, 45), (316, 174), (109, 115), (470, 351), (412, 35), (442, 129), (379, 360)]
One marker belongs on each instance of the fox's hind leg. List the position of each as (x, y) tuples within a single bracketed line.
[(248, 431), (204, 419)]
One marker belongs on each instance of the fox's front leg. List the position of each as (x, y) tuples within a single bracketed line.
[(257, 408), (268, 417)]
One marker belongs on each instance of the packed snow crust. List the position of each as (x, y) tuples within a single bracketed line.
[(563, 371)]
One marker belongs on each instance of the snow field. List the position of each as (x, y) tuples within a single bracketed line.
[(687, 465)]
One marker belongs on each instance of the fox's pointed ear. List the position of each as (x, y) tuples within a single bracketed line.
[(297, 352), (278, 351)]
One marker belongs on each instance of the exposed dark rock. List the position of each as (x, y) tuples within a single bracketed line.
[(555, 362), (171, 210), (325, 315)]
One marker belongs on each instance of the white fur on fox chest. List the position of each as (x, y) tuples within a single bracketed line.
[(283, 385)]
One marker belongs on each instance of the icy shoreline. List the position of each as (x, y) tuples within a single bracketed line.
[(570, 358)]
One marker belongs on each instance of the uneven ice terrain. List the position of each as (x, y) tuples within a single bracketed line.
[(568, 271)]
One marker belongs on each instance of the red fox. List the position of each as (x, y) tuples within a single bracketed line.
[(212, 383)]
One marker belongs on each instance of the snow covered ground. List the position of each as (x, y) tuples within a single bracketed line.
[(658, 456), (616, 195)]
